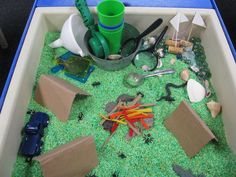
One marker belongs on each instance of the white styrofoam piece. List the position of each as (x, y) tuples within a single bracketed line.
[(219, 56), (196, 92)]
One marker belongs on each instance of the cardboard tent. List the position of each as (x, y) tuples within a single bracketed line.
[(57, 95), (74, 159), (191, 132)]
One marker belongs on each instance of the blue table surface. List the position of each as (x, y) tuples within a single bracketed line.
[(206, 4)]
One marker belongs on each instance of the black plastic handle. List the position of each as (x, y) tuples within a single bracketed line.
[(160, 37), (150, 29)]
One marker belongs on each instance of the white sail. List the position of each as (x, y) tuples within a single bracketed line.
[(197, 20), (176, 20)]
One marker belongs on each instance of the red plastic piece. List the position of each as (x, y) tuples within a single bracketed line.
[(114, 127)]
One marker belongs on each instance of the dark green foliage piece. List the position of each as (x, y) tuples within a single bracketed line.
[(200, 57)]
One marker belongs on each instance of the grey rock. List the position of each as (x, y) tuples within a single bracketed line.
[(110, 106), (125, 98), (184, 173)]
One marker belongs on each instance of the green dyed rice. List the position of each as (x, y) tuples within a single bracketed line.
[(142, 160)]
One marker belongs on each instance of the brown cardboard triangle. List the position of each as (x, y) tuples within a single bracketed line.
[(57, 95), (191, 132), (74, 159)]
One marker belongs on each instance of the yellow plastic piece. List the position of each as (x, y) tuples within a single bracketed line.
[(140, 110), (113, 120), (135, 112)]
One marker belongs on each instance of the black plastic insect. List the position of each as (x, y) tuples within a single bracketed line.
[(168, 97), (148, 138), (30, 111), (95, 84), (121, 155), (115, 174), (80, 116)]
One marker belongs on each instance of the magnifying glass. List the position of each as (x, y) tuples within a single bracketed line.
[(148, 59), (131, 44)]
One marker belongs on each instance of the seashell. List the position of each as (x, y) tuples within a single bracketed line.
[(160, 52), (184, 75), (145, 68), (172, 61), (151, 40), (208, 91), (196, 92), (159, 65), (194, 69), (214, 108), (114, 57)]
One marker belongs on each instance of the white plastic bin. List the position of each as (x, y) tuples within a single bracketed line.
[(219, 57)]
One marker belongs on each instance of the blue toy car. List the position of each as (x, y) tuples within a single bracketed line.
[(33, 132)]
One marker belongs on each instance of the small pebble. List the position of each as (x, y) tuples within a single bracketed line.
[(184, 75), (172, 61), (151, 40), (145, 68), (194, 69), (160, 52), (114, 57), (107, 125)]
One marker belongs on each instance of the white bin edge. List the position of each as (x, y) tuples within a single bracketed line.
[(46, 19)]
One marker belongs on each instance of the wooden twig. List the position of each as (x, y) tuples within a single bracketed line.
[(107, 140), (133, 128), (112, 111)]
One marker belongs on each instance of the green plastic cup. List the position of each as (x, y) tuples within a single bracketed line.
[(113, 38), (110, 12), (111, 22)]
